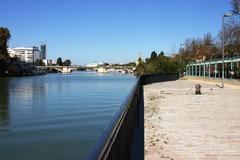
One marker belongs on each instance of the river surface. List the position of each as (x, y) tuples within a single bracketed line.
[(57, 116)]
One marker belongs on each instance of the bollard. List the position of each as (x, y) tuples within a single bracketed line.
[(198, 89)]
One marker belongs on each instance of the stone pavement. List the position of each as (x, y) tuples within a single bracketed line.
[(182, 126)]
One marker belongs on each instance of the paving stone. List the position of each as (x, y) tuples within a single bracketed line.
[(191, 127)]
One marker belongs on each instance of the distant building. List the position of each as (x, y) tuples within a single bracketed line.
[(46, 62), (51, 62), (27, 54), (92, 65), (43, 51)]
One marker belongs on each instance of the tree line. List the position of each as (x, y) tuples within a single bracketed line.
[(157, 63), (65, 63), (209, 47), (204, 48), (59, 62)]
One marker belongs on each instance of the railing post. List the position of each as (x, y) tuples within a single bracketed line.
[(189, 70), (215, 70), (199, 74), (195, 70), (209, 70), (192, 70), (204, 70)]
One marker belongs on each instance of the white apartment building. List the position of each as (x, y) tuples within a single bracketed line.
[(27, 54), (94, 64)]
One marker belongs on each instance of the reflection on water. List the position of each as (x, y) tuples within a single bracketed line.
[(57, 116), (28, 92), (4, 105)]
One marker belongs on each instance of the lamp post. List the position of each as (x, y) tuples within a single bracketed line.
[(223, 44)]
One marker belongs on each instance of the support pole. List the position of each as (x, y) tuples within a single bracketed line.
[(209, 70), (237, 69), (189, 70), (199, 74), (223, 45), (204, 70), (186, 70), (196, 70), (215, 70), (232, 69), (192, 70)]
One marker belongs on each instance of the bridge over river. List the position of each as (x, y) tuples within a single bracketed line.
[(69, 69), (62, 69)]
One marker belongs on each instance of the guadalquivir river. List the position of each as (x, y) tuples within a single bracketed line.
[(57, 116)]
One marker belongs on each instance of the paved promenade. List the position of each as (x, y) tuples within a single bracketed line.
[(182, 126)]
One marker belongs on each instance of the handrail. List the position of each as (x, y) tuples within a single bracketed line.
[(116, 140), (102, 147), (158, 77)]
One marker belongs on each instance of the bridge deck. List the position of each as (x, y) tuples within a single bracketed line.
[(182, 126)]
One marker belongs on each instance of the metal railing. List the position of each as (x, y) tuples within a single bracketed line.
[(154, 78), (116, 140), (118, 132)]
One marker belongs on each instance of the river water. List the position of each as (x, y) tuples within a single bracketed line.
[(57, 116)]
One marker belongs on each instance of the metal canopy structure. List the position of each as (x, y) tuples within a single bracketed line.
[(213, 68)]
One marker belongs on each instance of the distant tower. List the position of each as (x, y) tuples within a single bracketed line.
[(43, 51), (139, 56)]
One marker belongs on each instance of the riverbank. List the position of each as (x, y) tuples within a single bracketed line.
[(19, 69), (23, 74), (182, 126)]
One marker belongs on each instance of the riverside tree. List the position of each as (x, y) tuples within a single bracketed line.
[(140, 68), (4, 57), (161, 64), (157, 63), (235, 6), (40, 62), (205, 48), (59, 61), (232, 31), (67, 62), (209, 47)]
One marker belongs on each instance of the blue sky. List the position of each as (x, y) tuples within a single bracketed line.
[(109, 30)]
